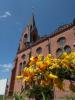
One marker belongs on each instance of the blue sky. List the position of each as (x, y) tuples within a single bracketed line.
[(15, 15)]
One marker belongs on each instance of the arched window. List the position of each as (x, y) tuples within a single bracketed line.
[(24, 64), (25, 35), (23, 56), (61, 41), (39, 50), (20, 69), (59, 52), (67, 49)]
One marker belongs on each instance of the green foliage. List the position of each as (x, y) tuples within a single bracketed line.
[(18, 97), (1, 97), (41, 93)]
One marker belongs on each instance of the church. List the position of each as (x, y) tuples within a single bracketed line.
[(32, 44)]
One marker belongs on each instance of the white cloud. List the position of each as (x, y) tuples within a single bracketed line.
[(5, 15), (7, 70), (8, 13), (6, 67)]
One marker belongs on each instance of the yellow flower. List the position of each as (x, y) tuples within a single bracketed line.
[(19, 77), (40, 57), (54, 66), (39, 63), (32, 58), (26, 79), (72, 55), (38, 69), (48, 62), (63, 55), (52, 76), (74, 61), (49, 56)]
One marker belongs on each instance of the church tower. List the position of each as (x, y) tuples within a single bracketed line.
[(29, 35)]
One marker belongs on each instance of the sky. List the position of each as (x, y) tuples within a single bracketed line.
[(16, 14)]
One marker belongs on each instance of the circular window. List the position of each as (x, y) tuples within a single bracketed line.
[(67, 49), (39, 50), (59, 52), (61, 41), (23, 56)]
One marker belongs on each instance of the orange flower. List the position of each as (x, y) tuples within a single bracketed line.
[(36, 59)]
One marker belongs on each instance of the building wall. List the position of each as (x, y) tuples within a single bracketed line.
[(66, 92), (70, 40), (69, 35), (44, 47), (18, 83), (54, 45)]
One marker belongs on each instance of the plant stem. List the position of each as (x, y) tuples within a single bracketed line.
[(43, 96)]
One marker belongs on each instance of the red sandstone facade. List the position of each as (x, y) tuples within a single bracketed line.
[(31, 44)]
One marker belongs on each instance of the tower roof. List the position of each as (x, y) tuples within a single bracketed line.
[(32, 20), (29, 35)]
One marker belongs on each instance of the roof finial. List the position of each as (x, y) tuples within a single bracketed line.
[(33, 11), (33, 17)]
